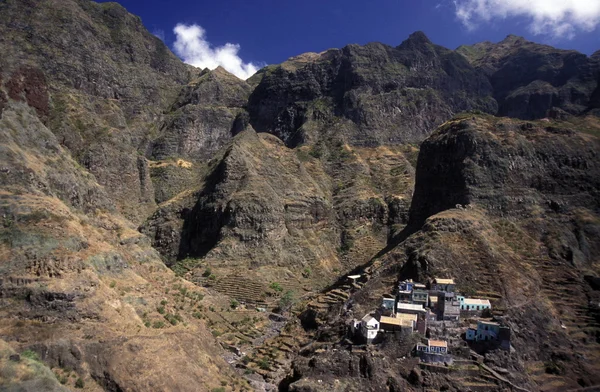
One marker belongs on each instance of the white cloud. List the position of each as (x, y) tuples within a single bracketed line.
[(191, 45), (557, 18)]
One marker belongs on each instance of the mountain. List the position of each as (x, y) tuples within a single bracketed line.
[(171, 228), (385, 95), (530, 79)]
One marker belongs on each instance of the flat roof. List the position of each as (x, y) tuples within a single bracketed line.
[(390, 321), (354, 276), (487, 322), (437, 343), (406, 316), (444, 281), (419, 285), (403, 306), (476, 301)]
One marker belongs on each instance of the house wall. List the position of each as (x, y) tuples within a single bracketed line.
[(435, 358), (471, 334)]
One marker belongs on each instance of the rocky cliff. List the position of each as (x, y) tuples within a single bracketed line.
[(530, 79), (389, 95)]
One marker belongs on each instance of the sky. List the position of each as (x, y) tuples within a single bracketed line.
[(242, 35)]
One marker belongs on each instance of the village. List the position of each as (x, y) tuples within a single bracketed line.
[(449, 325)]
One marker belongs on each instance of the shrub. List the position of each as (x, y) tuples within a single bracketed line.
[(163, 302), (276, 286), (158, 324), (219, 389), (79, 383), (263, 364), (113, 284), (307, 272), (234, 304), (207, 272), (29, 354), (161, 309), (286, 301)]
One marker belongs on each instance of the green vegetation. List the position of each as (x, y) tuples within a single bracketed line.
[(182, 267), (276, 287), (113, 284), (307, 272), (29, 354), (161, 309), (263, 364), (346, 245), (79, 383), (287, 300), (158, 324), (234, 304)]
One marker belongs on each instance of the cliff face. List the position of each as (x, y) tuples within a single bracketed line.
[(530, 79), (81, 87), (389, 95), (265, 213), (512, 170)]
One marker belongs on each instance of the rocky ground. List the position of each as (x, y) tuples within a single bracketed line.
[(171, 228)]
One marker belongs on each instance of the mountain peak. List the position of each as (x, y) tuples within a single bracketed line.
[(418, 37), (513, 39)]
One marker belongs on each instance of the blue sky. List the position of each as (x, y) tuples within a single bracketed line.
[(270, 31)]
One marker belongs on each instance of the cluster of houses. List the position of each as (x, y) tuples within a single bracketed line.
[(415, 305)]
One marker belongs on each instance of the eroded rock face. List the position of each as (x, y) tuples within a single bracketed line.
[(508, 167), (530, 79), (390, 95), (98, 80), (259, 207), (202, 118)]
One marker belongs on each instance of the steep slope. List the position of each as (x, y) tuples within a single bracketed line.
[(208, 112), (389, 95), (108, 82), (509, 209), (266, 213), (530, 79), (80, 287)]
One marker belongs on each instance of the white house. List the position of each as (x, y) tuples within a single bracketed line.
[(473, 304), (433, 347), (369, 327)]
